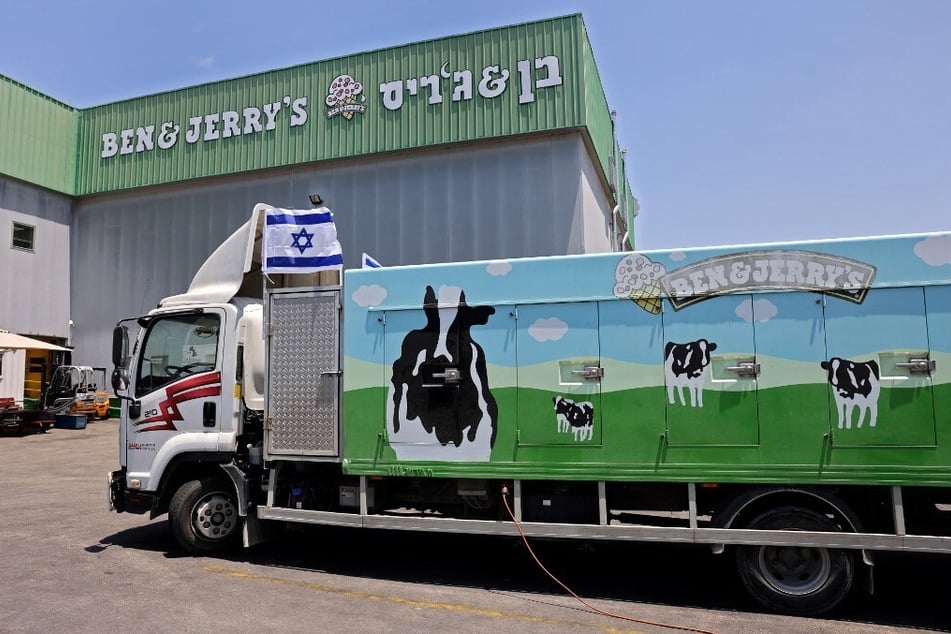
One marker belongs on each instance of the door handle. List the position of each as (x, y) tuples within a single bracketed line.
[(744, 368), (208, 418), (922, 366), (451, 376), (590, 372)]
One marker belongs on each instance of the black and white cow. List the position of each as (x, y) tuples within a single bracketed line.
[(684, 367), (578, 418), (440, 386), (854, 385)]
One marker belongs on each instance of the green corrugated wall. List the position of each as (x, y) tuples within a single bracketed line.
[(38, 137), (117, 146), (416, 123), (600, 127)]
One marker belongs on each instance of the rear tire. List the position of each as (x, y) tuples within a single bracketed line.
[(799, 580), (203, 517)]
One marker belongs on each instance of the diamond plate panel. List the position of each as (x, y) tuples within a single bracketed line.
[(303, 399)]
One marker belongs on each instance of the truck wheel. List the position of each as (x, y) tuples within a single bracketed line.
[(800, 580), (204, 517)]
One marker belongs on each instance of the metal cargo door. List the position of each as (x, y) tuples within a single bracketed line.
[(879, 369), (443, 366), (710, 372), (792, 396), (938, 301), (303, 382), (559, 374)]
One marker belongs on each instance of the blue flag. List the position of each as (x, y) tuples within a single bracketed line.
[(370, 263), (300, 241)]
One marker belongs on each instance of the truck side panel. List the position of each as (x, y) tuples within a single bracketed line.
[(824, 362)]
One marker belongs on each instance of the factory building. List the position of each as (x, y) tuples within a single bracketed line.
[(492, 144)]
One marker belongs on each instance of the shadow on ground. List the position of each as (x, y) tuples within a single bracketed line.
[(688, 576)]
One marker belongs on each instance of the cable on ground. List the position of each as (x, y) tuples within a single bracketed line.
[(518, 526)]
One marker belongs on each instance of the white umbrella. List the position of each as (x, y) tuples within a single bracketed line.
[(11, 341)]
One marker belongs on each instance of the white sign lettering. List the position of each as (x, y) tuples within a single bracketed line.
[(209, 127), (533, 75), (345, 98)]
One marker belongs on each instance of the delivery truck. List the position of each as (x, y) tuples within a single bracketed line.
[(786, 404)]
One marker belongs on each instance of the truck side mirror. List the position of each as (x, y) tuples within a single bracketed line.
[(120, 347), (120, 380)]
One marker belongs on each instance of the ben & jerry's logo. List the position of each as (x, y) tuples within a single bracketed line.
[(345, 97), (645, 281)]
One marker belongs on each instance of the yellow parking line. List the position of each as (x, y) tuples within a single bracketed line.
[(450, 607)]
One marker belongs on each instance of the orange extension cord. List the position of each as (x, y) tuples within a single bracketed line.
[(505, 493)]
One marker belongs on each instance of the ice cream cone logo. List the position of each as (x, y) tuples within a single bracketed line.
[(637, 278), (345, 97)]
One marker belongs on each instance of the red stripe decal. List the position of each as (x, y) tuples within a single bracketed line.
[(194, 387)]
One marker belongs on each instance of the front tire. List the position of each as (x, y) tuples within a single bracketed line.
[(203, 517), (799, 580)]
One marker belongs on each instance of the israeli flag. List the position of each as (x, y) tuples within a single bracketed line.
[(300, 241), (370, 263)]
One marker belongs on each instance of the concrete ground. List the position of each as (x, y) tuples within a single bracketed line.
[(69, 565)]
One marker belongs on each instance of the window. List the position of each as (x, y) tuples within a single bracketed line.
[(176, 347), (23, 236)]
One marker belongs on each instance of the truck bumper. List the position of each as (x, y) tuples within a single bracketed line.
[(124, 500)]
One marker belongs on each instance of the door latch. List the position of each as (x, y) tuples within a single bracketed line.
[(590, 372), (919, 366), (744, 368), (451, 376)]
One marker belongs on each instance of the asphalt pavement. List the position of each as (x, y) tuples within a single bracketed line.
[(70, 565)]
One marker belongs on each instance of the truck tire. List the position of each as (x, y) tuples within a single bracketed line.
[(799, 580), (203, 516)]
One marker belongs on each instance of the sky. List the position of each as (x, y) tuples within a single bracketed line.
[(744, 121)]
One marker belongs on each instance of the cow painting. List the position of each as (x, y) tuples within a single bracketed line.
[(440, 405), (577, 418), (854, 386), (684, 367)]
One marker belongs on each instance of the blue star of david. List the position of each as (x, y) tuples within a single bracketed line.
[(303, 235)]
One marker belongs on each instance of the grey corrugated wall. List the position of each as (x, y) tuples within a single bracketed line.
[(34, 286), (507, 199)]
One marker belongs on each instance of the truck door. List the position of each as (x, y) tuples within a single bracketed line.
[(303, 383), (444, 366), (177, 384), (938, 301), (559, 374), (879, 370), (710, 372), (792, 397), (633, 397)]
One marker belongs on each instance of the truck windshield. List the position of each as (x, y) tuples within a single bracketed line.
[(175, 347)]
